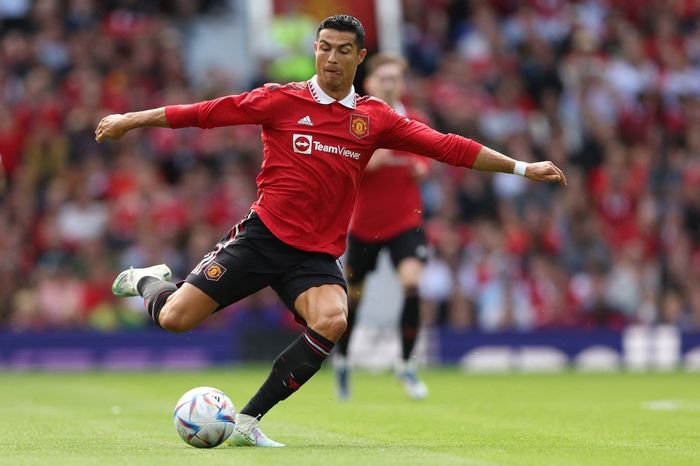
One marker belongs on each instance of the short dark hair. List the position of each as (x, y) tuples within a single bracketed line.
[(345, 23)]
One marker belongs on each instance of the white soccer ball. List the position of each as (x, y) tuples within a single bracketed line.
[(204, 417)]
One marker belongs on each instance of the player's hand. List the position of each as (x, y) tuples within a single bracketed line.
[(545, 171), (111, 127)]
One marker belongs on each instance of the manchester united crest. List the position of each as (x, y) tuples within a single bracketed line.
[(214, 271), (359, 125)]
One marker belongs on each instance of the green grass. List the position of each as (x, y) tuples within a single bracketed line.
[(564, 419)]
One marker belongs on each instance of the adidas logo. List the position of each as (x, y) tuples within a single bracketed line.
[(306, 121)]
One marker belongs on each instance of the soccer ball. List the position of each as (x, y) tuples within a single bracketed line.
[(204, 417)]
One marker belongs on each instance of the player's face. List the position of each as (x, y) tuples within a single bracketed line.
[(337, 58), (386, 82)]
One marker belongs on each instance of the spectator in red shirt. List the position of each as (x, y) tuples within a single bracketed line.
[(318, 137)]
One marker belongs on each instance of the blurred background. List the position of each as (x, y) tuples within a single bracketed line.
[(603, 274)]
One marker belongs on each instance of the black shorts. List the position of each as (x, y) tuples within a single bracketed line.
[(250, 257), (361, 257)]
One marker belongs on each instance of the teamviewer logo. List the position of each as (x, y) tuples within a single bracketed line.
[(301, 143)]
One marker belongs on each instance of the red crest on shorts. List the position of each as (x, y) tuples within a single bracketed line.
[(214, 271), (359, 125)]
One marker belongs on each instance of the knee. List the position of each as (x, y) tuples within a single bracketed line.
[(173, 321), (410, 283), (331, 322), (409, 274)]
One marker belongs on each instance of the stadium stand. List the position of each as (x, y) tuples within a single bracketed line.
[(610, 90)]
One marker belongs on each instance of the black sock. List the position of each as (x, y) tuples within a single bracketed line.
[(341, 347), (155, 293), (409, 322), (297, 364)]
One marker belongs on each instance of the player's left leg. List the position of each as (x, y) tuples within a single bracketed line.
[(316, 292), (408, 252)]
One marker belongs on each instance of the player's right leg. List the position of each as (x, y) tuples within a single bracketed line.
[(221, 277), (126, 283), (176, 310), (186, 309), (225, 275)]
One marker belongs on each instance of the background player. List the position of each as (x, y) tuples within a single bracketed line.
[(388, 214), (318, 137)]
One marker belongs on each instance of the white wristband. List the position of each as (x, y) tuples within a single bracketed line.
[(520, 168)]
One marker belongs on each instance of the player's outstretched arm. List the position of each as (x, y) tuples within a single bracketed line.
[(117, 125), (494, 161)]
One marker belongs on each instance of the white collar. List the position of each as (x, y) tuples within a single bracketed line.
[(323, 98)]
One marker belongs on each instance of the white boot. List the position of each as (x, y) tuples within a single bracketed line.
[(246, 433)]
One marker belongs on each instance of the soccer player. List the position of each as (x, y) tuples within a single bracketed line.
[(388, 215), (318, 136)]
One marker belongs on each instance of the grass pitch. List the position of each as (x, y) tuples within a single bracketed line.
[(565, 419)]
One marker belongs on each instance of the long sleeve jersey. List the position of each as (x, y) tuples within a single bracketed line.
[(388, 199), (315, 150)]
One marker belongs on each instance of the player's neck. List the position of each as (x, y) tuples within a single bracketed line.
[(336, 94)]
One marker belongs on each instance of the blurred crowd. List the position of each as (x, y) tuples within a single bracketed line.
[(607, 89)]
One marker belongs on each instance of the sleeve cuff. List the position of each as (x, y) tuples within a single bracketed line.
[(182, 116), (473, 150)]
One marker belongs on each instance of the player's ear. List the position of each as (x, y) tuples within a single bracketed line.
[(362, 55), (315, 46)]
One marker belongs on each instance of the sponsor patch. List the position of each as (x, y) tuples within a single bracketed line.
[(359, 125), (338, 150), (214, 271), (301, 143)]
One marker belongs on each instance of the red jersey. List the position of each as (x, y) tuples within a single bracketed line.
[(388, 199), (315, 149)]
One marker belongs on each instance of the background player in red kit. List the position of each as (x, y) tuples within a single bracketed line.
[(318, 136), (388, 215)]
